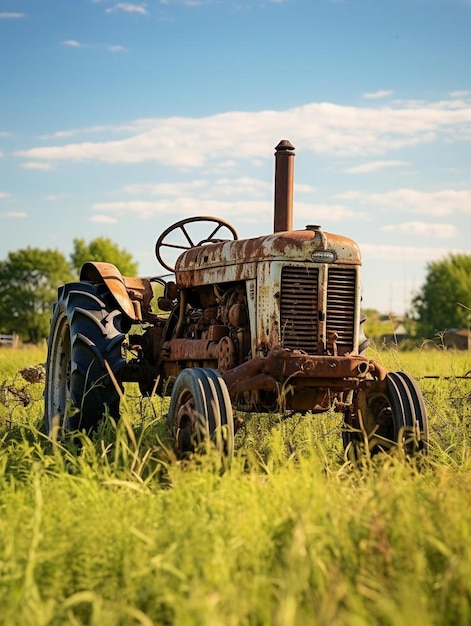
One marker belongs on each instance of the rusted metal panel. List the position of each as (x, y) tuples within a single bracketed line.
[(236, 260), (190, 349), (251, 294), (299, 308), (132, 295), (281, 365), (310, 308), (225, 273), (341, 315), (268, 307), (284, 186)]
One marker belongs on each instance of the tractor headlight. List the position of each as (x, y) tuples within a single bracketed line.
[(323, 256)]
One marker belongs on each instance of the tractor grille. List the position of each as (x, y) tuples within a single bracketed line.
[(299, 308), (341, 307)]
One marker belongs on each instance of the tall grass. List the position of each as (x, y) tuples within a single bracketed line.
[(121, 532)]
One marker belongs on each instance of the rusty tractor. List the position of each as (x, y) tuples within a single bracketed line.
[(271, 323)]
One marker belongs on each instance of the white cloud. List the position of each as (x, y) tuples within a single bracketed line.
[(64, 134), (37, 165), (444, 202), (323, 128), (72, 43), (4, 196), (303, 188), (165, 189), (4, 134), (212, 189), (248, 198), (103, 219), (424, 229), (11, 16), (459, 94), (245, 187), (14, 215), (187, 206), (248, 209), (315, 213), (128, 8), (199, 3), (1, 154), (378, 95), (373, 166)]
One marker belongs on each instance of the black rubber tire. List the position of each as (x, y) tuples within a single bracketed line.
[(399, 415), (409, 414), (200, 411), (87, 329)]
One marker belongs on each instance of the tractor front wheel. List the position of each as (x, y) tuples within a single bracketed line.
[(391, 416), (200, 412)]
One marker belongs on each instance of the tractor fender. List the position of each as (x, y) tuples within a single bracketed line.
[(97, 271)]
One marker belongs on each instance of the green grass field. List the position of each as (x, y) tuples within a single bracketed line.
[(121, 533)]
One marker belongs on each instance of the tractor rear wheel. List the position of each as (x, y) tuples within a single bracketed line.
[(84, 346), (200, 411)]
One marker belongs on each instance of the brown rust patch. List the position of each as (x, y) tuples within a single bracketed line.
[(297, 246), (126, 291)]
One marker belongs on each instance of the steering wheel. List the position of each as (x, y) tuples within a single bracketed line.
[(179, 230)]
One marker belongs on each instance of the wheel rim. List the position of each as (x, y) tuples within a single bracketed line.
[(380, 407), (58, 377), (186, 420)]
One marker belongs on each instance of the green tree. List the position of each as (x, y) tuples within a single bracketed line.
[(103, 249), (28, 285), (441, 303)]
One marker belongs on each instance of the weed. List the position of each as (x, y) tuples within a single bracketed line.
[(117, 531)]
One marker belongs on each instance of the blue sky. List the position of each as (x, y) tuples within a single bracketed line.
[(119, 118)]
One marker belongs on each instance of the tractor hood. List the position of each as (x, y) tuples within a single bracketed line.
[(294, 246)]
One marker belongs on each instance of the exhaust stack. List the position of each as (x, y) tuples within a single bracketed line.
[(284, 184)]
